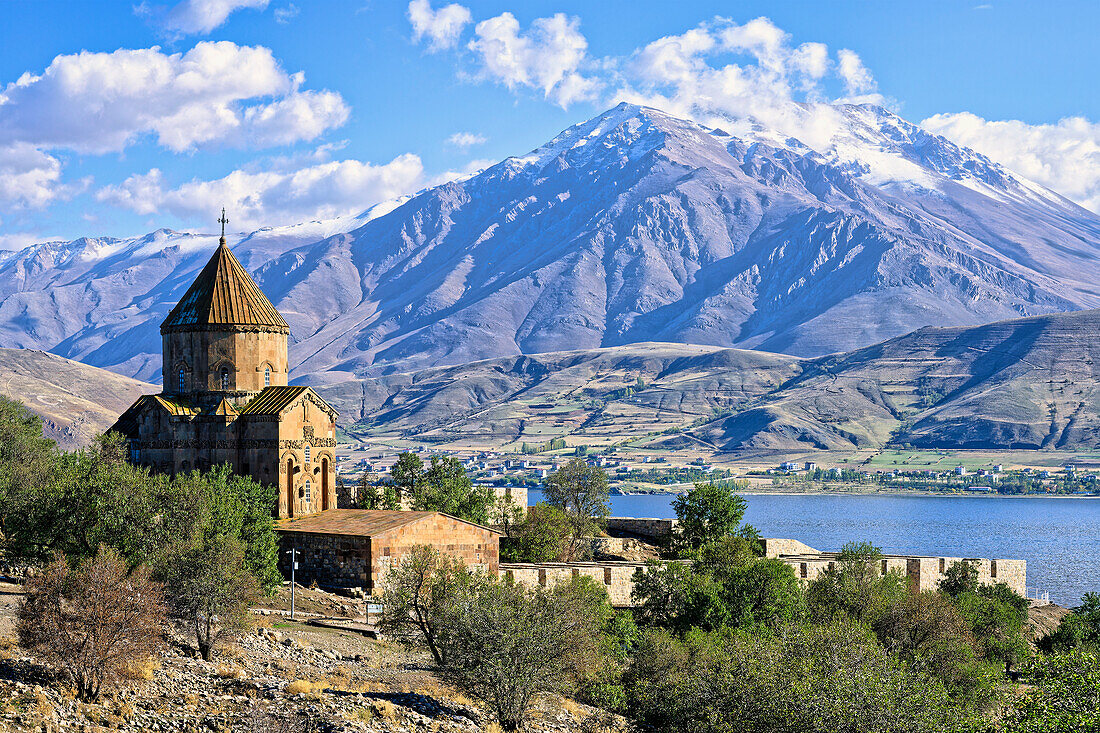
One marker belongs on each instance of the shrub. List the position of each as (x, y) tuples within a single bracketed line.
[(543, 536), (510, 643), (94, 621), (422, 597), (211, 589)]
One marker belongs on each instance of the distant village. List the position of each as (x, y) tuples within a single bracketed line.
[(633, 473)]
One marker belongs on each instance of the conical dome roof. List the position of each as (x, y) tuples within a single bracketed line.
[(224, 295)]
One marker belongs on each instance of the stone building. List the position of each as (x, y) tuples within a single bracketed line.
[(226, 398), (353, 548)]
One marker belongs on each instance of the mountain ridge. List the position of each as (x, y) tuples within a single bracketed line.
[(632, 227)]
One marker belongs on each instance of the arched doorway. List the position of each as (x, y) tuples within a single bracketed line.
[(324, 484), (290, 487)]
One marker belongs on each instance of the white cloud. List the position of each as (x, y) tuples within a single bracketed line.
[(29, 178), (856, 77), (270, 198), (285, 15), (547, 57), (721, 71), (1064, 156), (466, 139), (195, 17), (474, 166), (441, 27), (102, 102)]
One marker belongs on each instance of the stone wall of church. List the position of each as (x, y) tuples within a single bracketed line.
[(307, 460), (246, 356)]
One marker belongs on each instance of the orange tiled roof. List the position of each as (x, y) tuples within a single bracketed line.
[(224, 294), (359, 522), (365, 522)]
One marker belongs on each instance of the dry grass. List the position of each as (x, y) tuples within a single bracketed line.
[(141, 669), (300, 687), (383, 709), (231, 672)]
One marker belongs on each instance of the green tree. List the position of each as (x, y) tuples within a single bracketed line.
[(511, 643), (726, 586), (706, 514), (1080, 628), (811, 679), (927, 631), (997, 616), (407, 474), (961, 577), (581, 491), (543, 536), (854, 587), (445, 487), (27, 461)]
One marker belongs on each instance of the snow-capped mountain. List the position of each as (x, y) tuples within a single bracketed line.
[(633, 226)]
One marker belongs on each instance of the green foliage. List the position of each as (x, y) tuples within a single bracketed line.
[(445, 487), (1063, 695), (211, 588), (997, 616), (726, 586), (928, 632), (543, 536), (832, 677), (423, 596), (854, 587), (406, 474), (74, 502), (1079, 629), (961, 577), (370, 496), (708, 513), (498, 640)]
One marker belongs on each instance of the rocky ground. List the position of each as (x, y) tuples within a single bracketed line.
[(284, 676)]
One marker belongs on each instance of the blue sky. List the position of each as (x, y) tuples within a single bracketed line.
[(118, 118)]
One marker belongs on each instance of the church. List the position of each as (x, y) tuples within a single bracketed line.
[(226, 399)]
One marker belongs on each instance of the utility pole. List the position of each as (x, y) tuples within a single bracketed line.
[(293, 567)]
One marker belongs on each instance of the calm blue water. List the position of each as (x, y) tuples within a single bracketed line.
[(1059, 538)]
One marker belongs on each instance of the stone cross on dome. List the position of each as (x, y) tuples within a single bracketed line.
[(223, 222)]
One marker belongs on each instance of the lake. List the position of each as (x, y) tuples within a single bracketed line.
[(1059, 537)]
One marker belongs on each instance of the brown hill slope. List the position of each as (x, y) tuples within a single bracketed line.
[(1025, 383), (76, 401)]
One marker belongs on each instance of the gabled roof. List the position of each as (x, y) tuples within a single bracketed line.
[(224, 294), (127, 423), (225, 409), (272, 400), (361, 522)]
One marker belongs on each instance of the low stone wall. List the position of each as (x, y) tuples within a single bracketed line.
[(656, 530), (923, 573), (616, 577)]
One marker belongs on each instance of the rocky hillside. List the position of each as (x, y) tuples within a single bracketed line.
[(75, 401), (1024, 383), (632, 227)]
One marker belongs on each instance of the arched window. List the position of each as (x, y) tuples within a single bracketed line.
[(225, 378), (307, 454), (267, 376), (306, 497), (182, 381)]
